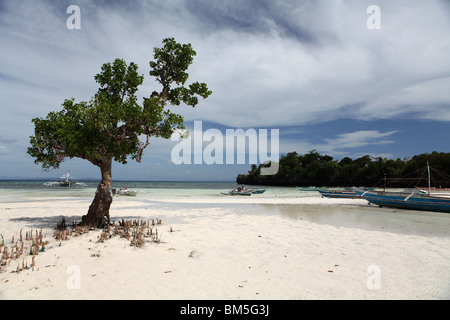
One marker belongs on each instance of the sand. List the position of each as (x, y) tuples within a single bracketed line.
[(232, 248)]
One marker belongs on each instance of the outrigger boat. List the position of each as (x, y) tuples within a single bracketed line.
[(444, 192), (414, 200), (242, 191), (257, 191), (349, 194), (406, 200), (66, 180), (238, 192), (126, 192), (307, 188), (311, 188)]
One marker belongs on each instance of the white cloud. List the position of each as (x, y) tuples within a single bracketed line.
[(274, 64), (429, 99), (358, 139), (344, 144), (271, 64), (271, 79), (3, 150), (7, 140)]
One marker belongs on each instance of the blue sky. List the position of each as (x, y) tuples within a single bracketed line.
[(311, 69)]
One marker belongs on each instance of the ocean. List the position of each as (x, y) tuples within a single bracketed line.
[(195, 197), (29, 190), (22, 190)]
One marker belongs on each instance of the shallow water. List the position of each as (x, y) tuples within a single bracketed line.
[(21, 190), (368, 217), (290, 203)]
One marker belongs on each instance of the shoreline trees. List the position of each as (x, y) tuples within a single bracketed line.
[(314, 169)]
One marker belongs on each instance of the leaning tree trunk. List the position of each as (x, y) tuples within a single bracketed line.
[(98, 214)]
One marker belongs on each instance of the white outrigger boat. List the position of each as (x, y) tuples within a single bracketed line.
[(237, 192), (415, 200), (65, 180), (242, 191), (126, 192)]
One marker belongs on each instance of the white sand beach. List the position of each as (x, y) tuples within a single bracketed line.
[(233, 248)]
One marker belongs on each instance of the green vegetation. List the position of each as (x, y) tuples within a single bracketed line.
[(314, 169), (109, 126)]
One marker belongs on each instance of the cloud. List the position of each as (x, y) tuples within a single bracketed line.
[(428, 99), (263, 76), (359, 139), (269, 63), (7, 140), (251, 17), (344, 144), (3, 150)]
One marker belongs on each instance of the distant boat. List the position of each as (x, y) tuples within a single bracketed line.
[(243, 191), (65, 180), (334, 193), (239, 192), (257, 191), (445, 192), (126, 192), (414, 200), (307, 188)]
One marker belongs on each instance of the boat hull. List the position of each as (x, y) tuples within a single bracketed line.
[(411, 201), (339, 194), (237, 193), (241, 193), (307, 188), (125, 192), (258, 191), (129, 194)]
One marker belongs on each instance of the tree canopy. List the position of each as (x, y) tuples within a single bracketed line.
[(314, 169), (110, 125)]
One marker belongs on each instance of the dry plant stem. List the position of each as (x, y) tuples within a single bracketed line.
[(32, 243), (133, 230)]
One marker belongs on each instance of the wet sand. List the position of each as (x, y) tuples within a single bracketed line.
[(225, 248)]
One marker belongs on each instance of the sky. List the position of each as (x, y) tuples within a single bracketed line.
[(335, 76)]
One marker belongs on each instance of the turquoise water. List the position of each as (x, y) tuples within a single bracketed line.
[(26, 190), (39, 185), (169, 196)]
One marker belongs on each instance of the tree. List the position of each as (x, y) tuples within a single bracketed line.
[(315, 169), (109, 126)]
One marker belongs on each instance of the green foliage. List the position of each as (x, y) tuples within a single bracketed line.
[(170, 67), (322, 170), (109, 126)]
